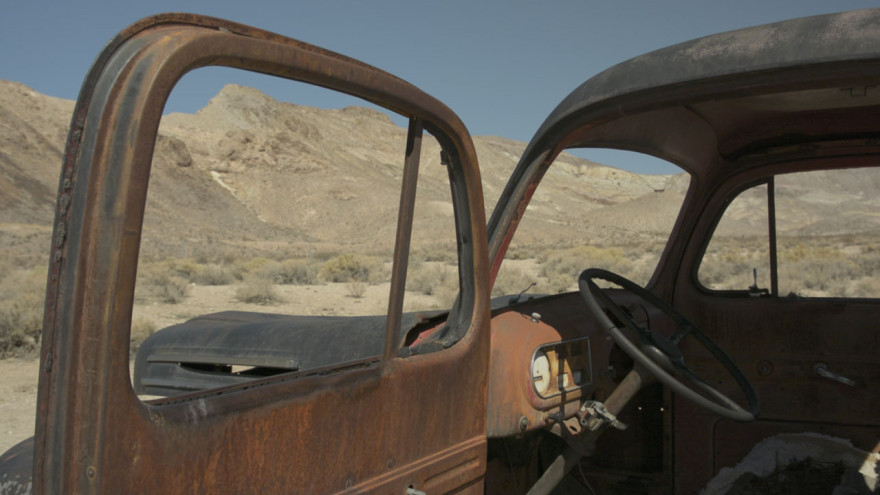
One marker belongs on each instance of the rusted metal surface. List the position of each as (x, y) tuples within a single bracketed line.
[(639, 448), (514, 405), (388, 425), (404, 234)]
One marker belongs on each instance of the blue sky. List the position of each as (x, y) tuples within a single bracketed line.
[(501, 65)]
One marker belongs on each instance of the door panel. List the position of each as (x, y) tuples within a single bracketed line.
[(793, 321), (777, 343), (379, 424)]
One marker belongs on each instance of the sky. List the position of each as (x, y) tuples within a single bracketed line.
[(502, 66)]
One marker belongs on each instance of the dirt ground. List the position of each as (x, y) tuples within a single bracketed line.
[(18, 400)]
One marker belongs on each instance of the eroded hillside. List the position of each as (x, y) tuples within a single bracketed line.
[(248, 172)]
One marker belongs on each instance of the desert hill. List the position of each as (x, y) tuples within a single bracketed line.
[(251, 173), (32, 132)]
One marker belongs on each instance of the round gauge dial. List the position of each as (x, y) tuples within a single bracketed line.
[(541, 372)]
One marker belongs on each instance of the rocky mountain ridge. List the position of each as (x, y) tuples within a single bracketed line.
[(252, 173), (247, 169)]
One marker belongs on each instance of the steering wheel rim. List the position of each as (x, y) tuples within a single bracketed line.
[(666, 356)]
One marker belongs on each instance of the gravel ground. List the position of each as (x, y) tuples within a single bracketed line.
[(18, 400)]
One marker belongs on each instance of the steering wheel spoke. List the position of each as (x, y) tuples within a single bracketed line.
[(659, 354)]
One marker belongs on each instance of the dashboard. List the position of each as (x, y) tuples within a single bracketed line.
[(548, 356)]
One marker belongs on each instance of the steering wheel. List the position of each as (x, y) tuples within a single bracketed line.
[(658, 353)]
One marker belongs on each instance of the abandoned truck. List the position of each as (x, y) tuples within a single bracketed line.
[(616, 387)]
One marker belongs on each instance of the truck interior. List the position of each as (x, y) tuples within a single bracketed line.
[(744, 327)]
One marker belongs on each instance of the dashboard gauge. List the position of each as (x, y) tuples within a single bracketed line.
[(541, 373), (561, 367)]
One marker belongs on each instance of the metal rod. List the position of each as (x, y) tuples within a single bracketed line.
[(404, 236)]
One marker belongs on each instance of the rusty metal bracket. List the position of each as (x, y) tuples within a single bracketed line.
[(595, 417)]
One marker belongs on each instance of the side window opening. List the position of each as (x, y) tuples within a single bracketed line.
[(738, 256), (263, 217), (432, 281), (828, 224), (820, 226)]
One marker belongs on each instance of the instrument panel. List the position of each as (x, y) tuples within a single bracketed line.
[(542, 366), (561, 367)]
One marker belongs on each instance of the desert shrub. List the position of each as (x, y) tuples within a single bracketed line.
[(237, 268), (163, 282), (269, 270), (447, 256), (641, 270), (346, 268), (211, 251), (818, 278), (169, 289), (446, 293), (213, 274), (561, 268), (863, 287), (827, 267), (433, 278), (808, 266), (141, 328), (732, 269), (794, 251), (257, 290), (297, 272), (21, 325), (512, 280), (21, 311), (427, 278), (256, 264), (521, 252), (244, 266), (355, 288), (324, 253), (185, 268)]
